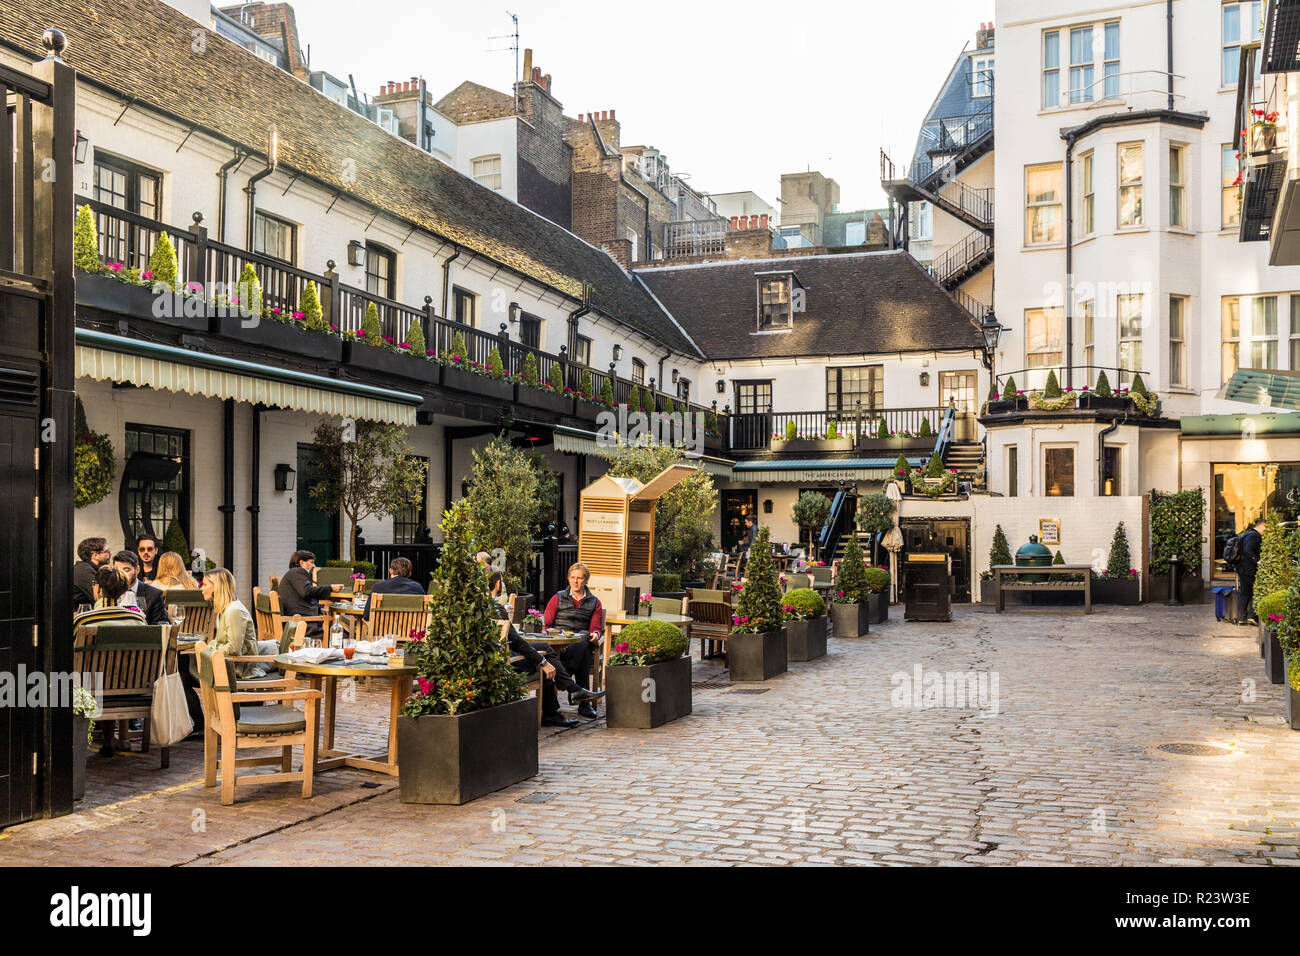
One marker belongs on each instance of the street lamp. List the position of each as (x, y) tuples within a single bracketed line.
[(992, 331)]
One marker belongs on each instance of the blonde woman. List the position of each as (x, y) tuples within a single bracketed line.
[(172, 573), (235, 634)]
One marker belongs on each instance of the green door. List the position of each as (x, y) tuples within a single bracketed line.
[(318, 532)]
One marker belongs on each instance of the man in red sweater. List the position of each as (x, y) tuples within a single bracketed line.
[(577, 609)]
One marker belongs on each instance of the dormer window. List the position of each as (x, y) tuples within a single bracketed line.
[(779, 295)]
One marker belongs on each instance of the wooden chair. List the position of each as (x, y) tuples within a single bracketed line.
[(270, 619), (200, 620), (128, 658), (793, 581), (710, 625), (228, 726), (823, 575), (704, 594), (399, 614), (292, 634), (668, 605), (341, 576)]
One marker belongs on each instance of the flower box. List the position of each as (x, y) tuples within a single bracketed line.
[(273, 334), (1125, 591), (755, 657), (453, 760), (140, 302), (850, 620), (1001, 406), (898, 443), (383, 362), (586, 410), (1103, 403), (544, 399), (806, 445), (806, 640), (485, 385), (878, 608), (1274, 659), (668, 690)]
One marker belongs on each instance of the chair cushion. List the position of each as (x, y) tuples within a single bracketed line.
[(270, 719)]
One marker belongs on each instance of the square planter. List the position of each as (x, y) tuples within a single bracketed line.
[(541, 398), (1001, 407), (1191, 589), (453, 760), (1292, 704), (667, 685), (386, 363), (850, 620), (586, 410), (806, 640), (753, 657), (878, 608), (272, 334), (80, 730), (1103, 403), (1116, 590), (485, 385), (137, 301), (811, 445), (1274, 659)]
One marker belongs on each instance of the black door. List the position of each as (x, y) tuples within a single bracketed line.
[(318, 532), (949, 536), (735, 505)]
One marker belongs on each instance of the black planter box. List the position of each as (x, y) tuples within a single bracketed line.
[(272, 334), (625, 704), (541, 398), (1001, 406), (806, 640), (587, 410), (1116, 590), (80, 730), (1191, 589), (1274, 659), (850, 620), (1261, 637), (1292, 706), (1103, 403), (897, 444), (485, 385), (752, 657), (878, 608), (458, 759), (384, 362), (135, 301)]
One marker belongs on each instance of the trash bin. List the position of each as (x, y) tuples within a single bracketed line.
[(928, 587), (1222, 596)]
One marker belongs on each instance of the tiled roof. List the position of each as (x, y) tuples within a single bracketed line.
[(142, 49), (471, 103), (856, 303)]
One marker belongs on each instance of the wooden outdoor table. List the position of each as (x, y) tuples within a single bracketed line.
[(324, 677), (615, 619), (1013, 571), (350, 617)]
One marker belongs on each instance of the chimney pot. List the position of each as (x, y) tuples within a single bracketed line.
[(735, 223), (604, 115), (763, 221), (611, 114), (546, 82), (580, 117)]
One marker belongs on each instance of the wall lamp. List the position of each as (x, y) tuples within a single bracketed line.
[(356, 253), (284, 477), (618, 352), (80, 151)]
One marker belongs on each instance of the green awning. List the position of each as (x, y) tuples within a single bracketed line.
[(817, 469), (1272, 389), (1240, 426)]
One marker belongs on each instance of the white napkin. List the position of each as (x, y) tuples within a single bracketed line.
[(315, 655)]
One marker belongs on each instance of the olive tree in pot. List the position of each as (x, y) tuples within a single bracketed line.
[(850, 599), (466, 729), (1276, 633), (875, 516), (648, 677), (756, 647), (809, 513), (805, 624)]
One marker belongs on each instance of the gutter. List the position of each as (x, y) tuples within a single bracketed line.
[(230, 164), (272, 162), (1101, 451), (446, 276)]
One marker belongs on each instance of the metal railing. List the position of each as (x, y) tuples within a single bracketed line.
[(858, 425), (961, 258), (695, 238), (1084, 376)]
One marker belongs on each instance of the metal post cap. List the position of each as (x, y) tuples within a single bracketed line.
[(54, 41)]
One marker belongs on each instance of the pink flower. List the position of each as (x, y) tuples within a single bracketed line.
[(428, 351), (115, 266), (361, 333), (147, 275), (622, 648), (298, 316)]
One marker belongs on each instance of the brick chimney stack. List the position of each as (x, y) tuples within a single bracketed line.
[(984, 36)]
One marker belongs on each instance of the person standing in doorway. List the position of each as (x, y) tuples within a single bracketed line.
[(1251, 542)]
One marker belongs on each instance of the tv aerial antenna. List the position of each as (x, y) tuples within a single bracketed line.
[(513, 37)]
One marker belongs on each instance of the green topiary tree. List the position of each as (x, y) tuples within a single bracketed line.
[(505, 505), (312, 313), (800, 604), (832, 430), (174, 540), (791, 433), (902, 467), (883, 430), (462, 663), (851, 586), (634, 400), (934, 467), (1009, 388), (810, 512), (415, 337), (584, 384), (877, 580), (993, 395), (647, 401), (1271, 603), (1000, 552), (85, 242), (607, 391), (759, 609), (248, 291), (1103, 385), (1279, 557), (670, 407), (495, 367), (1138, 388), (162, 262), (1119, 562), (530, 370), (925, 430), (1057, 559), (372, 332), (457, 349), (557, 377), (1053, 388)]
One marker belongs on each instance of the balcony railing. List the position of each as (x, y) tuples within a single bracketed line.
[(130, 238), (706, 237), (758, 430), (1083, 376), (961, 260)]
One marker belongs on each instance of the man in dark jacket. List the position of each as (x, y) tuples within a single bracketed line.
[(148, 598), (399, 581), (1251, 542), (93, 554), (299, 592), (539, 656)]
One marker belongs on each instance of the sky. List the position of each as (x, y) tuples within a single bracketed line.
[(735, 94)]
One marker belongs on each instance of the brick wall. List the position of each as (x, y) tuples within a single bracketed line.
[(545, 159)]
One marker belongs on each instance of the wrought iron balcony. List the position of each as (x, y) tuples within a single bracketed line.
[(707, 237)]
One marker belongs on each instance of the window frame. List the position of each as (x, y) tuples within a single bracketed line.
[(1235, 221), (1265, 338), (1031, 207), (1087, 312), (1049, 450), (381, 253), (981, 75), (1178, 343), (581, 351), (185, 476), (786, 281), (1178, 200), (1052, 70), (1088, 193), (464, 301), (874, 393), (530, 328), (1087, 69), (487, 157), (1229, 344), (1255, 10), (638, 372), (1099, 53), (1124, 357), (291, 227), (132, 173), (1138, 186), (1048, 314), (757, 385), (1013, 471)]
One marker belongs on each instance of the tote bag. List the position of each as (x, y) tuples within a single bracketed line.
[(169, 720)]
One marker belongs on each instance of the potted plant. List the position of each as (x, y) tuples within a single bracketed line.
[(1176, 522), (1263, 131), (1276, 634), (1148, 403), (1102, 398), (805, 624), (902, 472), (532, 391), (999, 554), (850, 600), (809, 514), (877, 594), (756, 647), (875, 515), (648, 677), (1120, 583), (466, 729), (645, 604), (84, 711)]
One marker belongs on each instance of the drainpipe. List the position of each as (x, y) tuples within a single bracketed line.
[(222, 173), (255, 491), (1069, 261), (227, 508), (446, 279), (575, 315), (273, 160), (1169, 46), (661, 369)]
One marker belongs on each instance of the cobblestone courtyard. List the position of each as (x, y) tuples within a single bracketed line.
[(817, 766)]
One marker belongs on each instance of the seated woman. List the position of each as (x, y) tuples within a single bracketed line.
[(577, 609), (497, 587), (111, 588), (235, 633), (172, 573)]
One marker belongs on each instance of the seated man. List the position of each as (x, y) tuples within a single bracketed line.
[(92, 554), (577, 609), (299, 593), (540, 655), (399, 581), (146, 597)]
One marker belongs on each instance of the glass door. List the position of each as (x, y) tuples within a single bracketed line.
[(959, 388)]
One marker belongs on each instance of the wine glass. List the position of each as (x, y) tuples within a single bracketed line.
[(83, 608), (177, 613)]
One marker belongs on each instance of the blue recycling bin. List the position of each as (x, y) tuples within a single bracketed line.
[(1222, 595)]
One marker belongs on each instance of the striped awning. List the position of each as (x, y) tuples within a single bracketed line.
[(120, 359), (813, 469), (584, 443)]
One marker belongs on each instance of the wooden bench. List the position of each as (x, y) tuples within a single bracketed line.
[(128, 658), (1006, 577)]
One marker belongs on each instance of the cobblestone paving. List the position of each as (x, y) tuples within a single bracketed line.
[(820, 767)]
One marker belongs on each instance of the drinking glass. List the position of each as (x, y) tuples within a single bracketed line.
[(349, 648), (83, 608), (177, 613)]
